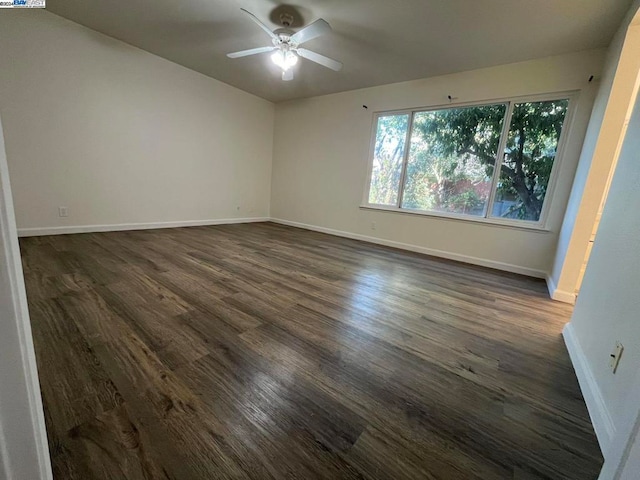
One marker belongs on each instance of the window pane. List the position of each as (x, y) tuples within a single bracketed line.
[(451, 159), (529, 155), (388, 154)]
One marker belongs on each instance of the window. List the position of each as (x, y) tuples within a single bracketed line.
[(388, 155), (443, 161)]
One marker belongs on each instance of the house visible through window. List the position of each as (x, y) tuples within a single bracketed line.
[(445, 161)]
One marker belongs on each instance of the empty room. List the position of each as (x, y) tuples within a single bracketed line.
[(246, 239)]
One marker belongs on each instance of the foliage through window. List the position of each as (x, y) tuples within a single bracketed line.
[(444, 160)]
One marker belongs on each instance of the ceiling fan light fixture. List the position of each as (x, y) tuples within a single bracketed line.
[(284, 59), (286, 45)]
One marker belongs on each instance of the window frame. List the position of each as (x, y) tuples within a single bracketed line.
[(541, 224)]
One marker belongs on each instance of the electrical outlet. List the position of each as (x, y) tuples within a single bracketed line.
[(63, 211), (614, 359), (373, 225)]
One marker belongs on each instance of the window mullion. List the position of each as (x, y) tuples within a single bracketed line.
[(405, 159), (499, 158)]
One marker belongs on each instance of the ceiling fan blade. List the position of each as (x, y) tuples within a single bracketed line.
[(252, 51), (321, 59), (287, 75), (261, 25), (317, 28)]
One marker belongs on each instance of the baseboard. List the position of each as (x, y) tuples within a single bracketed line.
[(598, 411), (36, 232), (33, 232), (416, 248), (559, 295)]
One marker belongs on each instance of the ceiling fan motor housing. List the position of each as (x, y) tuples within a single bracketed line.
[(284, 36)]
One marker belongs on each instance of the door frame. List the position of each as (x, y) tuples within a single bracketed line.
[(24, 451)]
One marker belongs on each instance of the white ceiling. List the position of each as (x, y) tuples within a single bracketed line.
[(379, 41)]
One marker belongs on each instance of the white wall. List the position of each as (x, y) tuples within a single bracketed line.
[(632, 465), (622, 458), (616, 95), (608, 305), (119, 135), (23, 443), (321, 147)]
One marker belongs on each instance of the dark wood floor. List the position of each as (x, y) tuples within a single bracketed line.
[(262, 351)]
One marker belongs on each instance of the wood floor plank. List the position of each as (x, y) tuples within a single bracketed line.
[(75, 385), (389, 391), (263, 351), (109, 446), (304, 432)]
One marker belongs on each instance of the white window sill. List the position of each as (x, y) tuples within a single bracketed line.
[(516, 224)]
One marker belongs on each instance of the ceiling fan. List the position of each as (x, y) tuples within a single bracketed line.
[(286, 45)]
